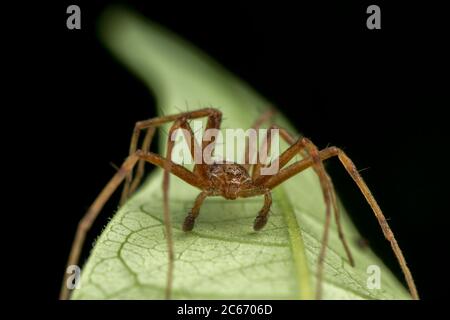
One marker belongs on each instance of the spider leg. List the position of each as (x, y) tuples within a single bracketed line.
[(179, 123), (249, 148), (141, 164), (189, 221), (303, 145), (351, 169), (266, 147), (291, 140), (150, 125), (130, 184), (208, 143), (261, 218), (88, 219), (306, 148), (264, 150)]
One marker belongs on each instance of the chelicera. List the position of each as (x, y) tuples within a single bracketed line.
[(231, 181)]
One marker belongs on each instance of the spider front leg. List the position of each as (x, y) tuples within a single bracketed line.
[(261, 218), (125, 173), (189, 221), (214, 118), (351, 169), (306, 148), (88, 219), (141, 164), (250, 151)]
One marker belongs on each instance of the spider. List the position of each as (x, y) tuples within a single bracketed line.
[(231, 181)]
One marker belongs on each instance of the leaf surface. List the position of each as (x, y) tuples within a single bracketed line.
[(223, 258)]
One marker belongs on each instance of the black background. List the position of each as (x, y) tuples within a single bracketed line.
[(378, 94)]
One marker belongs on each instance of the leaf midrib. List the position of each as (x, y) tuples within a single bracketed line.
[(301, 269)]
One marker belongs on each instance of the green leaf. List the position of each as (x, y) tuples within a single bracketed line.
[(223, 258)]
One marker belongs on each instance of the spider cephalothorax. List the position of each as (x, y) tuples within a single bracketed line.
[(228, 179), (231, 180)]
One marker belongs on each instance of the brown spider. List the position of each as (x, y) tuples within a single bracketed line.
[(231, 181)]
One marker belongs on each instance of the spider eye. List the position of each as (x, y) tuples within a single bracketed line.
[(233, 171)]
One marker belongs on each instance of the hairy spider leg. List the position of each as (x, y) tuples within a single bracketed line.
[(89, 217), (145, 147), (307, 148), (303, 144), (189, 221), (180, 122), (249, 153), (214, 117), (351, 169), (261, 218)]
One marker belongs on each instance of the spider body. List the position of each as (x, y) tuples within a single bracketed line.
[(231, 181)]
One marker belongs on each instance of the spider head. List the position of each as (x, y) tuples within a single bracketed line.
[(228, 179)]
